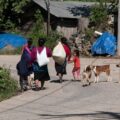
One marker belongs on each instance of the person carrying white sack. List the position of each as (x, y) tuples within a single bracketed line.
[(40, 60), (61, 54)]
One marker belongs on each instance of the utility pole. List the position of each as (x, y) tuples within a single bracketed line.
[(47, 2), (118, 39)]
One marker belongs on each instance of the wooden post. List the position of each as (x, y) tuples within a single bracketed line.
[(47, 2)]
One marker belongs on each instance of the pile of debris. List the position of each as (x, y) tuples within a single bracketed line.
[(80, 43)]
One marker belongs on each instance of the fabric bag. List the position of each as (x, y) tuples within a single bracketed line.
[(36, 67), (59, 53), (42, 58), (59, 60)]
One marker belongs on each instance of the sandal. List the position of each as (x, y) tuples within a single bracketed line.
[(42, 88)]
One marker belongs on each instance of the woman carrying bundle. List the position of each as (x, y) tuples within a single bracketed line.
[(61, 68)]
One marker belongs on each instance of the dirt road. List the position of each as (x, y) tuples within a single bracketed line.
[(66, 101)]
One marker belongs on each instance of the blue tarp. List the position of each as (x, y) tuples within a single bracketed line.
[(105, 44), (11, 39)]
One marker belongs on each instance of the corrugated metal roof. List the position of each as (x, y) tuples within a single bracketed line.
[(68, 9)]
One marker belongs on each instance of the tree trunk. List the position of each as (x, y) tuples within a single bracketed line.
[(118, 43), (48, 24), (47, 2)]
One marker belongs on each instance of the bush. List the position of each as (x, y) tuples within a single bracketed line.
[(8, 86), (99, 14), (51, 39)]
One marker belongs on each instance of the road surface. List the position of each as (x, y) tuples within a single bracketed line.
[(66, 101)]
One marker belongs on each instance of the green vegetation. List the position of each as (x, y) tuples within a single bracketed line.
[(8, 86), (11, 12), (38, 30), (91, 0), (21, 19)]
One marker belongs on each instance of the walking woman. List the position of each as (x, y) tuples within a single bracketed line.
[(61, 69), (24, 66), (41, 73)]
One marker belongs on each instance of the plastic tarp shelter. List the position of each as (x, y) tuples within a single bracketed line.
[(105, 44), (11, 39)]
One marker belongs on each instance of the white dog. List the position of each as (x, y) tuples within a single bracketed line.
[(31, 80)]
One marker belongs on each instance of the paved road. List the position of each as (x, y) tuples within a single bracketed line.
[(66, 101)]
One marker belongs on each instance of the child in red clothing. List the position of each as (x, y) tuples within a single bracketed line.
[(76, 68)]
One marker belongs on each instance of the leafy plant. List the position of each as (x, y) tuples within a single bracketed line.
[(38, 31), (8, 86), (98, 13), (11, 12)]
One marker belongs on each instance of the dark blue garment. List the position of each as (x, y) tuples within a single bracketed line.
[(38, 69), (26, 56), (105, 44), (23, 67)]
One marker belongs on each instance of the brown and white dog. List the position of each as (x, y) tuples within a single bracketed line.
[(97, 70)]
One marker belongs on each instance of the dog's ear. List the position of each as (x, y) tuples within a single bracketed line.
[(118, 65)]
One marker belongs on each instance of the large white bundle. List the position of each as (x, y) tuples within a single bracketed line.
[(59, 54), (42, 58)]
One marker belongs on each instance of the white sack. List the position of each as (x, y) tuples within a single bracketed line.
[(59, 51), (42, 58), (59, 54)]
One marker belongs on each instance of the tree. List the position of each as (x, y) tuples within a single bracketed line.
[(47, 2), (10, 13)]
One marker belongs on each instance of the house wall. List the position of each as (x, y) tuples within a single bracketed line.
[(67, 27), (66, 31)]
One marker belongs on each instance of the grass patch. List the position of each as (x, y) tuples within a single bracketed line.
[(8, 86)]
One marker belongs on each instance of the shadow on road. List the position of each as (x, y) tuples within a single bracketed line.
[(58, 81), (101, 115)]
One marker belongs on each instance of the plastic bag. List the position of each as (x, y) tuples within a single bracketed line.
[(105, 44), (42, 58)]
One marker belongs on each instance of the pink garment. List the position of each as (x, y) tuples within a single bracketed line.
[(26, 45), (34, 52), (76, 72)]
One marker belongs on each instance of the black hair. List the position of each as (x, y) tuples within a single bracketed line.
[(77, 53), (29, 41), (64, 40), (41, 41)]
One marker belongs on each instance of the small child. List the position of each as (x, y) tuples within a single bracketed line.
[(76, 68)]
